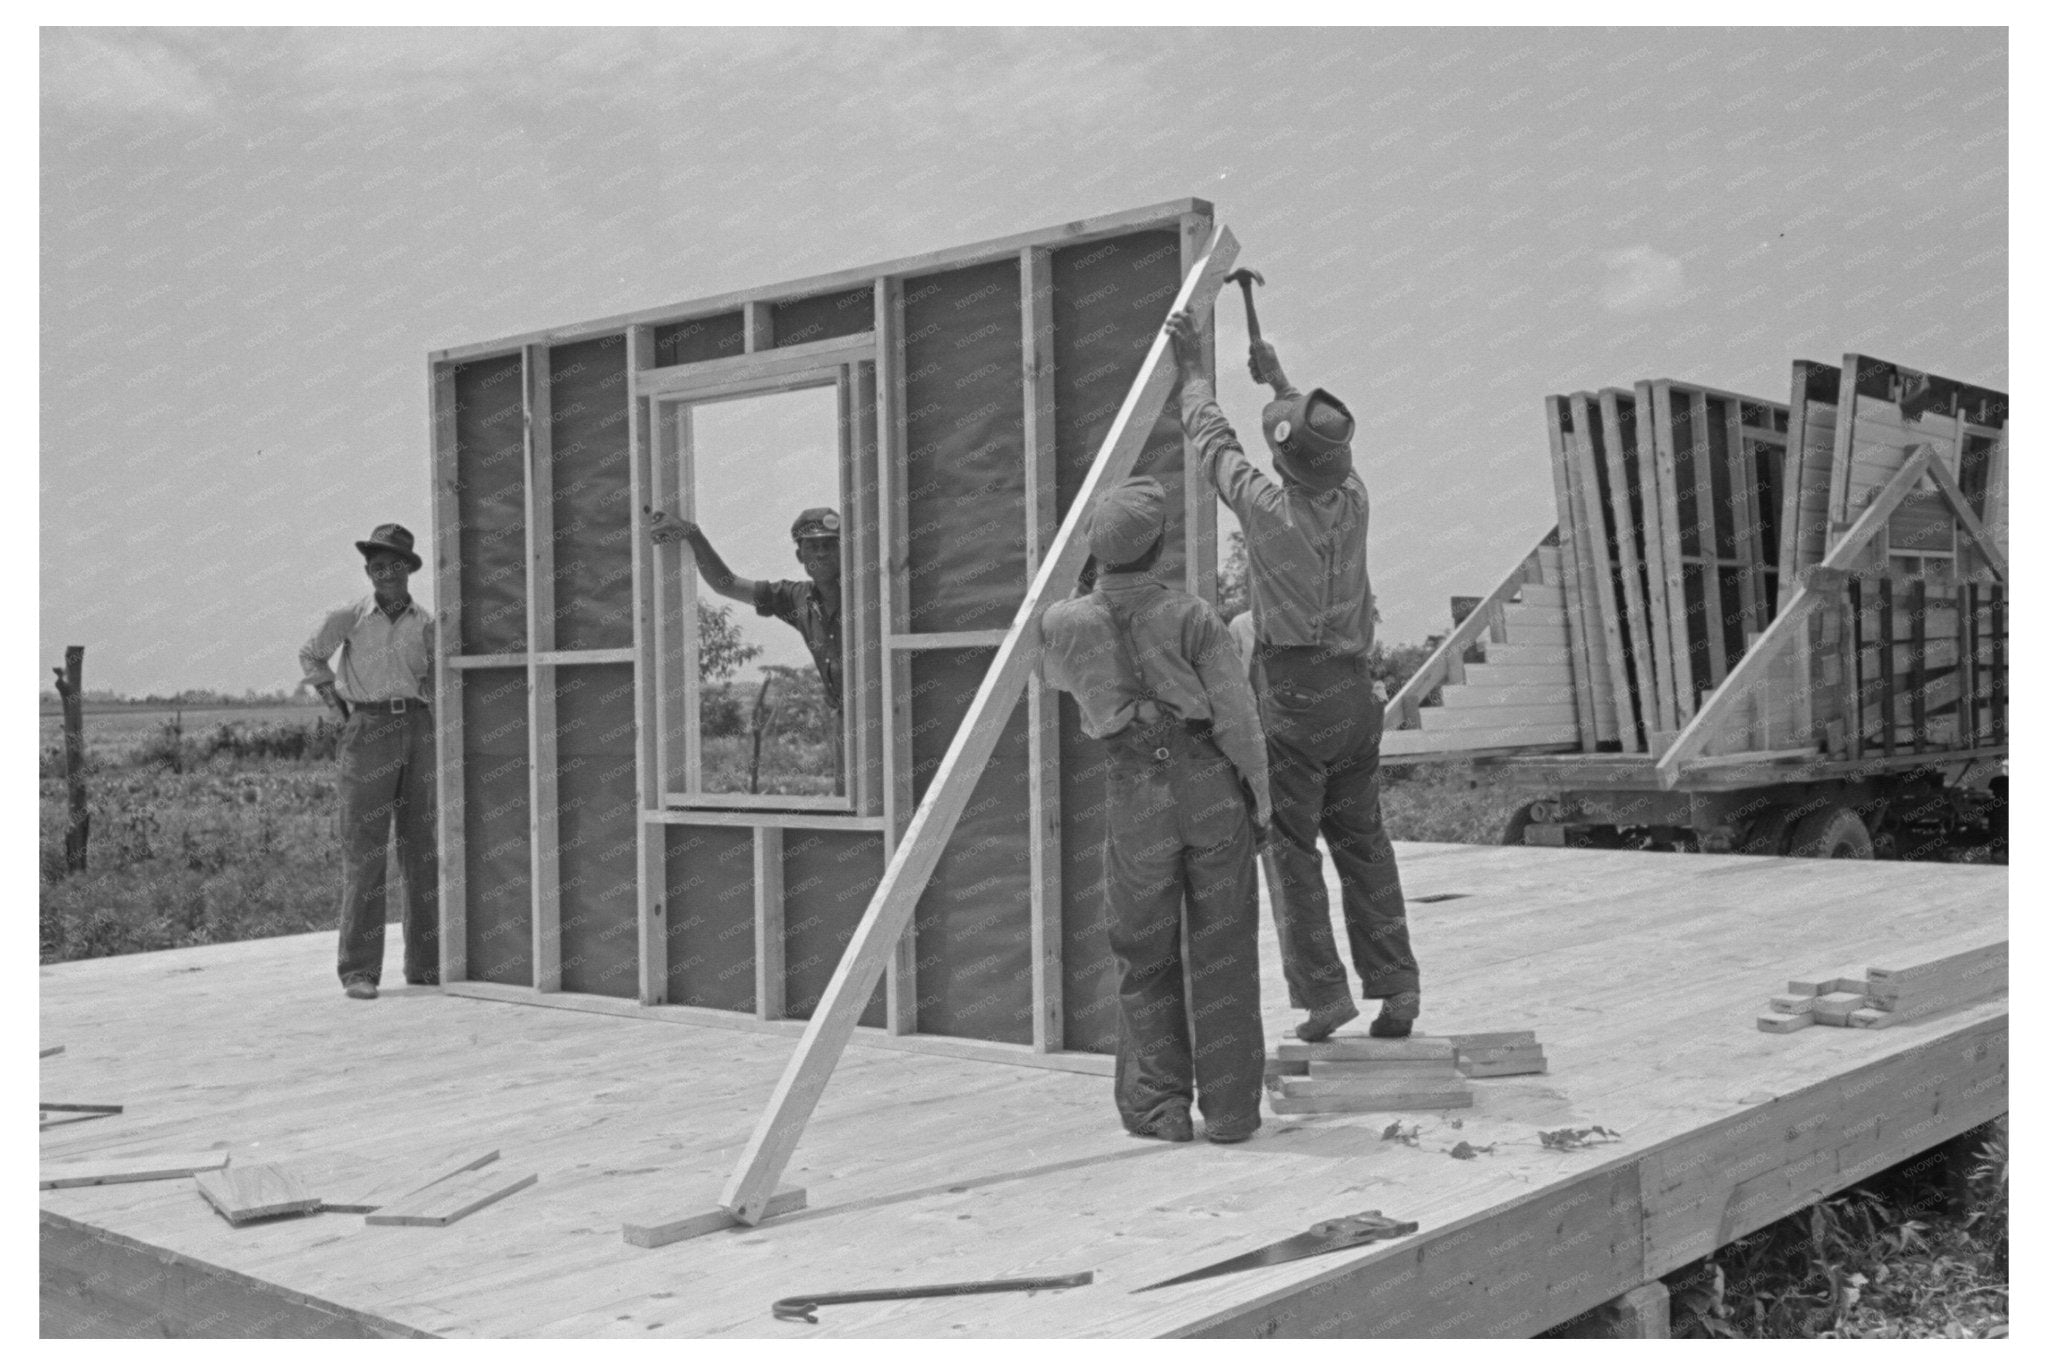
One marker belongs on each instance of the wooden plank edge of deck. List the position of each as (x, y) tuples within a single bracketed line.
[(1354, 1300), (964, 1049), (98, 1283)]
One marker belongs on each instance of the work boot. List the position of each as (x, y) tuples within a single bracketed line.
[(1171, 1127), (1397, 1015), (1230, 1135), (361, 990), (1321, 1023)]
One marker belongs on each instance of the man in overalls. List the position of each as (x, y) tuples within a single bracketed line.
[(1157, 679), (1312, 616)]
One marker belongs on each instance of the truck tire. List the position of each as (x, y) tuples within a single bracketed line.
[(1830, 832)]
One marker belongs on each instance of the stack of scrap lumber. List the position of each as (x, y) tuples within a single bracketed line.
[(1689, 519), (1945, 978), (1358, 1074)]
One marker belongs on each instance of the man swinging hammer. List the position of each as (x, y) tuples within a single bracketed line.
[(1312, 618)]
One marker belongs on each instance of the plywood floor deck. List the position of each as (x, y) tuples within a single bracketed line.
[(1641, 974)]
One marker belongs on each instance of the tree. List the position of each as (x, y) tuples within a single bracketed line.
[(720, 647), (1233, 580)]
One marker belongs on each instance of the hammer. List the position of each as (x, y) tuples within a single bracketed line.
[(1244, 277)]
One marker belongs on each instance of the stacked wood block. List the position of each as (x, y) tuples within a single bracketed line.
[(1952, 977), (1358, 1074), (1483, 1055)]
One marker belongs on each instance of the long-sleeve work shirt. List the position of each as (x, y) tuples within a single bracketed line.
[(1184, 650), (1307, 550), (381, 659)]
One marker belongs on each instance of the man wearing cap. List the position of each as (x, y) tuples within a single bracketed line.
[(1312, 616), (1156, 678), (811, 606), (387, 760)]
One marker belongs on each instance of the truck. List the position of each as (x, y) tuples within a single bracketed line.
[(1757, 627)]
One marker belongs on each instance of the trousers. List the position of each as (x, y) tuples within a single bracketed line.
[(387, 789), (1179, 835), (1322, 726)]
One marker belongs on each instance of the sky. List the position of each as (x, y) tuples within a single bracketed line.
[(251, 239)]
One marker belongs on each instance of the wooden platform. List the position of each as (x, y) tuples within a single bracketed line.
[(1641, 973)]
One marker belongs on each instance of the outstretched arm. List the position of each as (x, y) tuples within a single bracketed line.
[(710, 564), (1237, 481)]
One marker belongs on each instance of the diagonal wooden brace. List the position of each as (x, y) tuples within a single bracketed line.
[(1817, 585), (776, 1135)]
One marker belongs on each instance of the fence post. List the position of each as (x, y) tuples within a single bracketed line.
[(79, 828)]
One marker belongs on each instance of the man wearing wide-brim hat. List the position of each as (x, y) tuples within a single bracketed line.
[(1312, 619), (381, 690)]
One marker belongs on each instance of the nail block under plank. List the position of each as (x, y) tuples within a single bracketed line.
[(1784, 1023), (1517, 1052), (1534, 1064), (1402, 1069), (443, 1203), (60, 1175), (1836, 1006), (786, 1200), (1359, 1048), (374, 1188), (243, 1194), (1470, 1042)]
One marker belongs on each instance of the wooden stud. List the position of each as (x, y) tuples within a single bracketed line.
[(1705, 515), (1041, 520), (892, 469), (1784, 1023), (1198, 494), (1966, 665), (682, 647), (1741, 467), (543, 764), (1916, 607), (448, 750), (769, 937), (1663, 454), (1999, 681), (864, 705), (759, 323), (1628, 563), (649, 704), (1605, 607), (911, 864), (1592, 687), (1887, 644), (1641, 453)]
